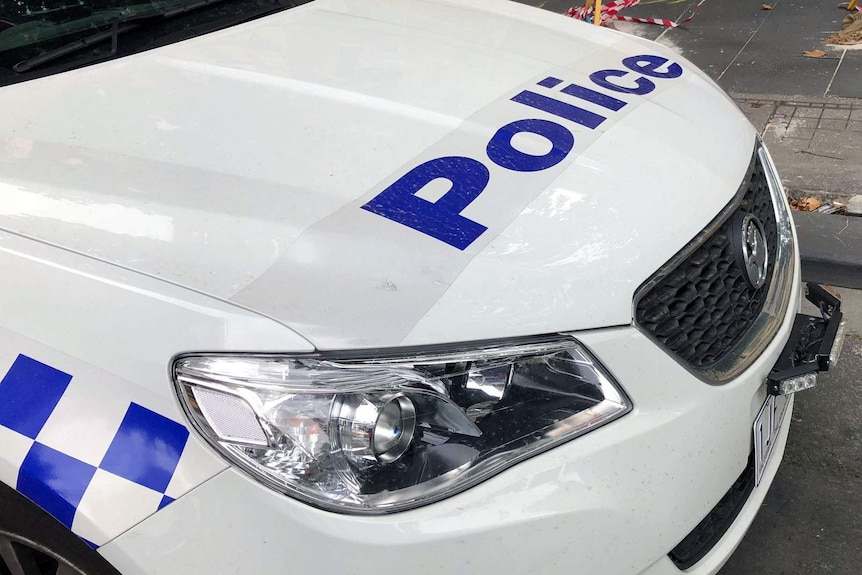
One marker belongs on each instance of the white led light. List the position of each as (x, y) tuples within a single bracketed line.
[(797, 383)]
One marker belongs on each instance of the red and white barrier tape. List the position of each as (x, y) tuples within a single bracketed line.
[(610, 10)]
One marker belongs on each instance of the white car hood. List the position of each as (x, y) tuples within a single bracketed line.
[(237, 164)]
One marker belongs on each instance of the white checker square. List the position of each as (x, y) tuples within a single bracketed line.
[(85, 420), (111, 505), (196, 465), (7, 358), (15, 449)]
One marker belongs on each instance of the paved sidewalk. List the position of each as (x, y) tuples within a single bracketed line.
[(815, 142)]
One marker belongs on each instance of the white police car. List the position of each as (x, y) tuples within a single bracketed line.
[(374, 286)]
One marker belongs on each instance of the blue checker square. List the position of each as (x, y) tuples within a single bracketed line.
[(29, 392), (165, 502), (146, 449), (89, 543), (54, 481)]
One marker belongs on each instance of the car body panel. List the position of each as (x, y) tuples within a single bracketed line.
[(108, 161), (84, 347), (657, 471)]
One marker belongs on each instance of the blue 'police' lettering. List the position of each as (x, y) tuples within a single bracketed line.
[(502, 153), (561, 109), (649, 65), (642, 85), (469, 177), (441, 219), (598, 98), (550, 82)]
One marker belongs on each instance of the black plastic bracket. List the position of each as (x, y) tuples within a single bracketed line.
[(811, 339)]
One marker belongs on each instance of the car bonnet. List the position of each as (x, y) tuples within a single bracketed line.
[(382, 173)]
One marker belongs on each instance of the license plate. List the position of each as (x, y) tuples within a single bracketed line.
[(767, 426)]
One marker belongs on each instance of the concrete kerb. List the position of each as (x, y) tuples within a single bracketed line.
[(774, 98), (831, 248)]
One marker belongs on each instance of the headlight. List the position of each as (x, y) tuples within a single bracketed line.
[(377, 435)]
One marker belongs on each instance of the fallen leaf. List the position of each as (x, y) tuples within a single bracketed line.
[(814, 53), (832, 290), (809, 204), (766, 6)]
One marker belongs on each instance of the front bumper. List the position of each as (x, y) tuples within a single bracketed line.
[(615, 501)]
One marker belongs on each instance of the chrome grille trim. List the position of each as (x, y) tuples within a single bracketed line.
[(763, 329)]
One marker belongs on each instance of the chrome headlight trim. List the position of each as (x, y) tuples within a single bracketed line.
[(397, 370)]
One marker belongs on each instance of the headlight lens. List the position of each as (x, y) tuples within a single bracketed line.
[(378, 435)]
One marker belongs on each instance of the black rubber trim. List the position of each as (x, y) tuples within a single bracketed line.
[(811, 340), (712, 528), (21, 517)]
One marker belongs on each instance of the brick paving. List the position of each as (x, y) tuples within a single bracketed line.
[(816, 142)]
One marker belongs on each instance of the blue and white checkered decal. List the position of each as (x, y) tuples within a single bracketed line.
[(87, 454)]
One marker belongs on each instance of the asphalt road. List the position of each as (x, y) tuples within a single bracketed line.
[(811, 520)]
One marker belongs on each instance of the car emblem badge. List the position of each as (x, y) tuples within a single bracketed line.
[(750, 244)]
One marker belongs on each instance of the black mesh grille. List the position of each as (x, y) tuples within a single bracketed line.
[(708, 532), (701, 308)]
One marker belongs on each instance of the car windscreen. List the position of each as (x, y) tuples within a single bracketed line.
[(42, 37)]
